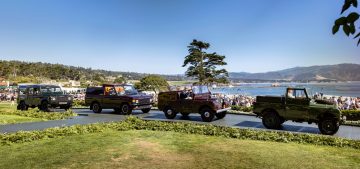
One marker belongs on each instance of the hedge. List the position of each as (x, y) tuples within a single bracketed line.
[(134, 123), (242, 108), (351, 115), (36, 113)]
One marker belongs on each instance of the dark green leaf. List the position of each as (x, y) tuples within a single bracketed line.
[(335, 29), (341, 21), (346, 29), (355, 3), (346, 6), (352, 17), (352, 28)]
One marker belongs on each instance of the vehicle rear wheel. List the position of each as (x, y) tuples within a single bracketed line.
[(126, 109), (328, 126), (22, 106), (96, 107), (271, 120), (45, 106), (207, 114), (170, 113), (146, 110), (221, 115)]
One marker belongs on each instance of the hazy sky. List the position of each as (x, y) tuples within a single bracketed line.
[(152, 35)]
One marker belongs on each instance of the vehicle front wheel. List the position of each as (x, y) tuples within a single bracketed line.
[(328, 126), (221, 115), (45, 106), (96, 107), (207, 115), (22, 106), (271, 120), (146, 110), (170, 113), (125, 109)]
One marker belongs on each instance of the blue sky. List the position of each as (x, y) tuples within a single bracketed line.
[(152, 35)]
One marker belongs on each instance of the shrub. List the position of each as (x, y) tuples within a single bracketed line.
[(352, 115), (79, 103), (134, 123), (36, 113), (242, 108)]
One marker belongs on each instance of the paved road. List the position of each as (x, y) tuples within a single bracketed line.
[(240, 121)]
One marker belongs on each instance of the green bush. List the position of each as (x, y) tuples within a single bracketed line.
[(36, 113), (242, 108), (79, 103), (351, 115), (134, 123)]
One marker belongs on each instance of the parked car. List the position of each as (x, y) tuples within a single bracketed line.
[(122, 98), (295, 105), (44, 97), (198, 100)]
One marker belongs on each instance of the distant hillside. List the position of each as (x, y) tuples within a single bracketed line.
[(29, 71), (339, 72)]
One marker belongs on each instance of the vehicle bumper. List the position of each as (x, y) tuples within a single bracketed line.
[(139, 107), (223, 110)]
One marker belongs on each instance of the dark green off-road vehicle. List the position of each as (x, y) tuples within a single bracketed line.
[(298, 107), (44, 97)]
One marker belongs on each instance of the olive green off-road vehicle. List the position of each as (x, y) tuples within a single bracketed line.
[(44, 97), (298, 107)]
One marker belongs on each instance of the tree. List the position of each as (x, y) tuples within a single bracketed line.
[(120, 80), (202, 65), (348, 22), (154, 83)]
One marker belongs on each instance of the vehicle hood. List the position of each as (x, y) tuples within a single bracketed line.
[(324, 106)]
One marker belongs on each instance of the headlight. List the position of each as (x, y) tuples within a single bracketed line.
[(53, 98), (69, 98), (135, 101), (151, 100)]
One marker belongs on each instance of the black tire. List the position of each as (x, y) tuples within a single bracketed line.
[(271, 120), (328, 126), (185, 114), (207, 115), (45, 106), (146, 110), (221, 115), (125, 109), (22, 106), (96, 107), (170, 113)]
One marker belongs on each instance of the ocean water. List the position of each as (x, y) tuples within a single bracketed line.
[(349, 89)]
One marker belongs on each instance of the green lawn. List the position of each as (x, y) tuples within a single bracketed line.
[(154, 149), (11, 119)]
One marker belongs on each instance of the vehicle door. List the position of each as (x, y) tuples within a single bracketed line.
[(37, 96), (111, 97), (297, 104)]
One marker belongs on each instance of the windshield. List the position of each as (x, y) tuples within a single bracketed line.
[(126, 90), (51, 90)]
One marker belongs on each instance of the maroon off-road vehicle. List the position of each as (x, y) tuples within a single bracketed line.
[(122, 98), (197, 100)]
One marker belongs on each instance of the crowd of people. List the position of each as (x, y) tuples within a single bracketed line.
[(8, 96), (238, 100), (344, 103)]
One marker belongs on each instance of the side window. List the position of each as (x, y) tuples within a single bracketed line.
[(36, 91), (196, 90), (110, 91), (30, 91), (300, 94)]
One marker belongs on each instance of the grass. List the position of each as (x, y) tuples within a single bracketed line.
[(155, 149), (11, 119)]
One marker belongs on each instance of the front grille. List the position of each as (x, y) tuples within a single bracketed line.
[(144, 101), (62, 99)]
